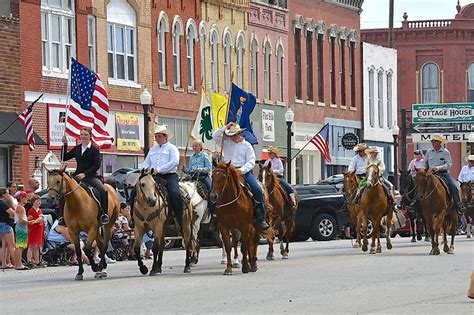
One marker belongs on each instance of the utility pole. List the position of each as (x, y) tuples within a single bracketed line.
[(390, 24)]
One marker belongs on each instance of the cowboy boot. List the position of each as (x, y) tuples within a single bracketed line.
[(293, 203), (104, 218), (357, 196), (261, 221)]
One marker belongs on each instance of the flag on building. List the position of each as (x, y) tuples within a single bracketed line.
[(219, 110), (26, 118), (321, 141), (89, 105), (202, 129), (240, 107)]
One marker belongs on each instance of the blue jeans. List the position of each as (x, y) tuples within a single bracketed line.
[(257, 194), (453, 189), (288, 188)]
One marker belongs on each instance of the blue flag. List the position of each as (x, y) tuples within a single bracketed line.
[(240, 107)]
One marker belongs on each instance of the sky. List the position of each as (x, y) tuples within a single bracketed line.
[(375, 12)]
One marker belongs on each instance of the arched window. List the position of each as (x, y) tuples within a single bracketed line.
[(279, 73), (267, 52), (214, 41), (371, 98), (380, 97), (390, 119), (121, 41), (253, 66), (430, 83), (202, 46), (177, 33), (240, 46), (163, 28), (191, 37), (227, 59), (470, 84)]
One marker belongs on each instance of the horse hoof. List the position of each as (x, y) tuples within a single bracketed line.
[(187, 269), (389, 246), (364, 248), (413, 240), (152, 273), (270, 257), (228, 272), (104, 274), (98, 275), (356, 245), (245, 268), (451, 250), (143, 270), (253, 268), (418, 237), (372, 250), (435, 251), (79, 277), (445, 248), (468, 236), (95, 268), (284, 256), (378, 250)]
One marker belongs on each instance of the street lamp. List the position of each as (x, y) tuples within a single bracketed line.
[(146, 101), (289, 117), (395, 131)]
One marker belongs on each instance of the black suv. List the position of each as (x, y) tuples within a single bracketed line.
[(320, 213)]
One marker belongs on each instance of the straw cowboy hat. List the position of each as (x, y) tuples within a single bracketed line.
[(440, 138), (274, 150), (470, 157), (233, 130), (371, 150), (360, 147), (162, 129)]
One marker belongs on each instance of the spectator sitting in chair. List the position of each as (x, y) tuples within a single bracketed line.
[(59, 234)]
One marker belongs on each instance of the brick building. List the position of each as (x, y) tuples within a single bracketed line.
[(435, 65), (324, 81)]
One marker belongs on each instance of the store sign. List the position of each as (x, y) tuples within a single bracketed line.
[(127, 131), (268, 125), (443, 113), (452, 137), (56, 127), (349, 141)]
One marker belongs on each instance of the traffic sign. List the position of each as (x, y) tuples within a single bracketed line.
[(443, 113), (433, 128), (452, 137)]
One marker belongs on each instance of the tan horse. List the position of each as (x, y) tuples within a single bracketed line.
[(437, 208), (280, 218), (374, 203), (466, 197), (350, 184), (80, 214), (152, 213)]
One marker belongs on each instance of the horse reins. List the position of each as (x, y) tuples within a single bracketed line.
[(61, 187), (218, 170), (434, 188), (155, 213)]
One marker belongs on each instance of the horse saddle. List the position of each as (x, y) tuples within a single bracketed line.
[(200, 186), (246, 187), (445, 186), (92, 191), (163, 191)]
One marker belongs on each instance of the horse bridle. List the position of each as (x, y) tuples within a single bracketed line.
[(378, 180), (407, 194), (154, 214), (352, 193), (218, 170), (434, 188), (274, 186), (61, 187)]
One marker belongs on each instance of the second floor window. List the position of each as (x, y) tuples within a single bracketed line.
[(380, 98), (279, 73), (91, 43), (227, 60), (267, 51), (191, 36), (177, 32), (320, 64), (162, 29), (389, 100), (371, 99), (240, 60), (309, 66), (214, 40), (298, 91), (121, 52), (253, 67), (430, 83), (342, 70)]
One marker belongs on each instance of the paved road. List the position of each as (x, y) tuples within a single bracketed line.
[(320, 277)]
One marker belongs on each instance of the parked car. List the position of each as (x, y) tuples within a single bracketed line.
[(320, 214), (334, 180)]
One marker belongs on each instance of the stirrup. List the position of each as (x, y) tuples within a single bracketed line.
[(104, 219), (263, 224)]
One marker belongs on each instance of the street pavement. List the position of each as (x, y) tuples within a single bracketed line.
[(318, 278)]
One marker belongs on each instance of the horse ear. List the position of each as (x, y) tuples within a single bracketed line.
[(228, 164), (63, 168), (214, 163), (269, 165)]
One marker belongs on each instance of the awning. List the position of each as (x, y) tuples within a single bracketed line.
[(12, 131)]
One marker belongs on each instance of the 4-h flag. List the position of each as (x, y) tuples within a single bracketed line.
[(202, 128), (219, 110), (240, 108)]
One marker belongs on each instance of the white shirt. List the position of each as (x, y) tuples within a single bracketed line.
[(358, 164), (240, 154), (277, 166), (415, 163), (164, 159), (466, 174), (83, 149)]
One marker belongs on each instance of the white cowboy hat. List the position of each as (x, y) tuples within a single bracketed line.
[(470, 157), (274, 150), (162, 129), (440, 138), (233, 130), (372, 149), (360, 147)]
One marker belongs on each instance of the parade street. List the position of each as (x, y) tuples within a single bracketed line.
[(319, 278)]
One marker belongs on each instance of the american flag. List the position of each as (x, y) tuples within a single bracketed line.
[(89, 105), (321, 141), (26, 118)]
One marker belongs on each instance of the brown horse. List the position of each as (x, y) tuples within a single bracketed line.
[(280, 218), (152, 213), (437, 208), (466, 197), (80, 214), (374, 203), (235, 210), (350, 185)]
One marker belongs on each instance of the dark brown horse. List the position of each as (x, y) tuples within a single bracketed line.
[(374, 203), (280, 218), (437, 209), (235, 210), (466, 197), (350, 185), (80, 214)]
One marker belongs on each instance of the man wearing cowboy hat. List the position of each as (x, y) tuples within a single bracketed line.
[(466, 174), (359, 161), (277, 167), (164, 159), (438, 160), (241, 154)]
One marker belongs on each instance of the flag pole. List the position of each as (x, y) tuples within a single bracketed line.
[(227, 113), (18, 115), (68, 102), (297, 153)]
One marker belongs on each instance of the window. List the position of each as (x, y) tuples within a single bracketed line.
[(309, 65), (162, 29), (253, 67), (214, 40), (298, 91), (227, 60), (390, 119), (202, 45), (279, 73), (380, 97), (320, 68), (57, 35), (176, 42), (191, 36), (430, 83), (267, 52), (121, 41), (470, 84), (91, 42), (352, 72), (342, 70), (371, 98), (240, 60), (332, 69)]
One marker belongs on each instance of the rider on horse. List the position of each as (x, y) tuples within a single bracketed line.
[(164, 159), (242, 156), (417, 162), (438, 160), (87, 158), (359, 161), (466, 174)]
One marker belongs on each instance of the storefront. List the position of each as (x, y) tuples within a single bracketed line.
[(307, 165)]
